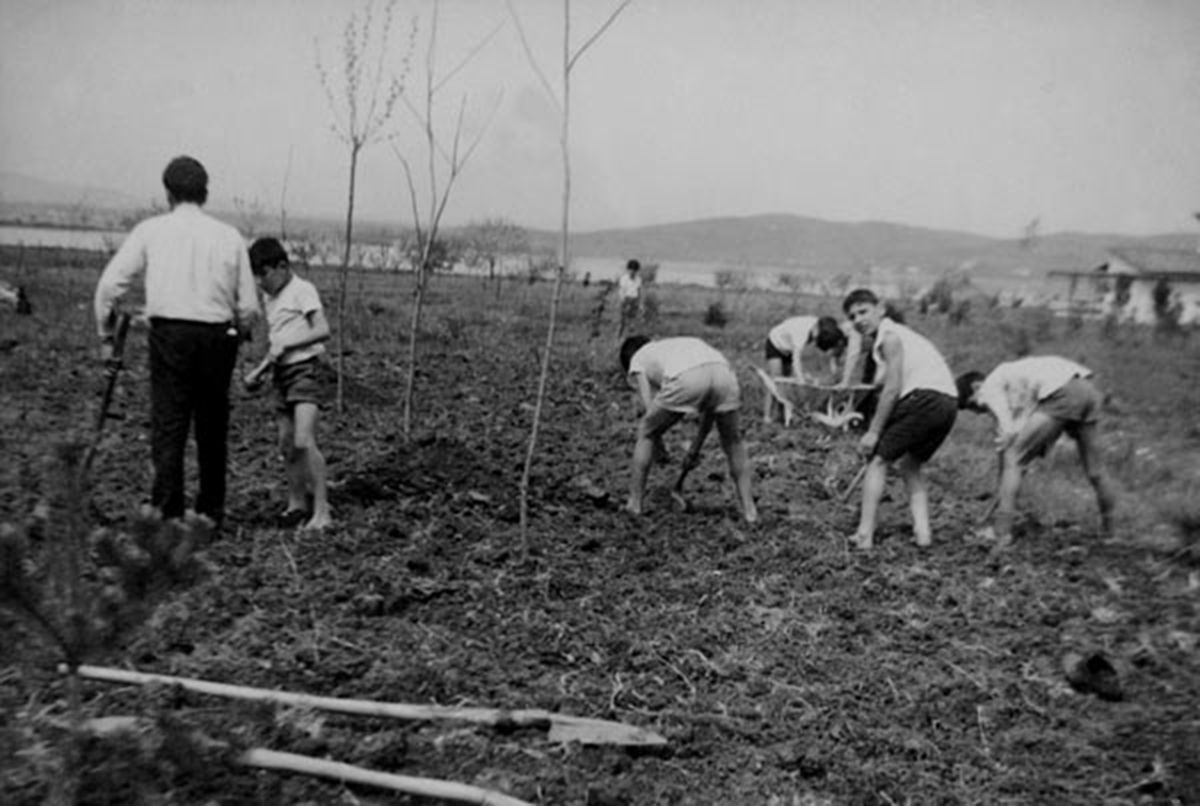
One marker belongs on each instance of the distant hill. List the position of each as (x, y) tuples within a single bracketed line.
[(774, 242), (813, 246), (18, 188)]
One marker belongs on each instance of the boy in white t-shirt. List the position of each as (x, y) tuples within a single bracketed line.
[(788, 341), (296, 329), (629, 291), (1035, 400), (675, 377)]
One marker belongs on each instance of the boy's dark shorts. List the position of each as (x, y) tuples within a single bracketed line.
[(296, 383), (918, 425), (771, 351)]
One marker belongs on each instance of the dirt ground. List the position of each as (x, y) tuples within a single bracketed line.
[(783, 667)]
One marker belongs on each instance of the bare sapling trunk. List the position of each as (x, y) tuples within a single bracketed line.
[(568, 62), (455, 156), (367, 104), (344, 281)]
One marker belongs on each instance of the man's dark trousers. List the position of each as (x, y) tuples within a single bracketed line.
[(191, 364)]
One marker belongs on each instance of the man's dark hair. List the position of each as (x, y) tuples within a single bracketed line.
[(966, 387), (858, 296), (186, 180), (630, 346), (266, 253), (634, 264), (829, 334)]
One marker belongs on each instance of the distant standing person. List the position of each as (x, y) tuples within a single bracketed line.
[(200, 297), (297, 329), (1035, 400), (629, 290), (915, 413), (787, 341), (675, 377)]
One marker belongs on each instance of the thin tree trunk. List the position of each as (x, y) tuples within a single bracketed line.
[(558, 278), (343, 281), (413, 329)]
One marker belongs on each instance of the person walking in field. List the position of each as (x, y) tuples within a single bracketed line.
[(1035, 400), (629, 293), (674, 377), (840, 345), (200, 298), (297, 329), (914, 414)]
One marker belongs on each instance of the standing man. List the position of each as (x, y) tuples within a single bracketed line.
[(1034, 400), (200, 296), (916, 410), (629, 290)]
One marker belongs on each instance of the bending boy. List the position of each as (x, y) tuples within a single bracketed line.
[(679, 376), (787, 340), (1034, 400), (916, 410), (297, 328)]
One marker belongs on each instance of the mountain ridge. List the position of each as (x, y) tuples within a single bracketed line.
[(787, 242)]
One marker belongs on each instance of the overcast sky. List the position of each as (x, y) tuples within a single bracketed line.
[(956, 114)]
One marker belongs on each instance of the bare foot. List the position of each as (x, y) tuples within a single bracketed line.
[(924, 541), (319, 521), (862, 541), (752, 515), (633, 507)]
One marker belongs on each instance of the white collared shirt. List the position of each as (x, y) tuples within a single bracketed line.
[(1013, 389), (288, 315), (792, 334), (664, 359), (197, 269), (629, 286)]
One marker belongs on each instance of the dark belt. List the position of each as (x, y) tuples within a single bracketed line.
[(162, 321)]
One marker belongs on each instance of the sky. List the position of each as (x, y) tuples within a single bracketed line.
[(969, 115)]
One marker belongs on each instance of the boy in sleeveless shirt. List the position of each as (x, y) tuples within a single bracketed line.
[(917, 407)]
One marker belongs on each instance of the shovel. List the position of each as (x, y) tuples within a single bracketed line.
[(112, 368)]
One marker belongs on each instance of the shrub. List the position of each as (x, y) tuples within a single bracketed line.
[(716, 315), (650, 308)]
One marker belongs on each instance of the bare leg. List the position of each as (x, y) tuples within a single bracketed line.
[(918, 499), (312, 464), (692, 458), (650, 429), (770, 404), (1006, 496), (293, 465), (872, 485), (1089, 458), (739, 462), (1036, 437)]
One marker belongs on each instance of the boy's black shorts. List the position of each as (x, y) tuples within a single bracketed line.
[(296, 383), (771, 351), (918, 425)]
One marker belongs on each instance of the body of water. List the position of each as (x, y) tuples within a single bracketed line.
[(93, 240)]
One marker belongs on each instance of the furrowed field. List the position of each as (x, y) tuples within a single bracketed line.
[(783, 667)]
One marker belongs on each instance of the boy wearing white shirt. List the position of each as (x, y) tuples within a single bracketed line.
[(787, 341), (1034, 401), (915, 413), (675, 377), (297, 328), (629, 290)]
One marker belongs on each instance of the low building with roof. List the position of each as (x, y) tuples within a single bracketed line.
[(1135, 282)]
